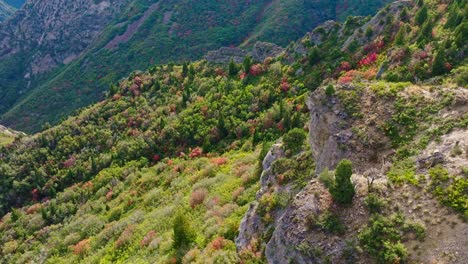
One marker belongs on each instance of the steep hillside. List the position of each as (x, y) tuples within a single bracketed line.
[(5, 10), (349, 147), (90, 45), (7, 136), (15, 3)]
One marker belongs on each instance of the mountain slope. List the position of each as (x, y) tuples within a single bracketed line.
[(145, 32), (15, 3), (202, 163), (5, 10)]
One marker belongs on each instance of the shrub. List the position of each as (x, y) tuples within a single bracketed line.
[(294, 139), (327, 178), (374, 203), (382, 239), (328, 222), (330, 90), (421, 15), (342, 190), (198, 197), (82, 247), (183, 234)]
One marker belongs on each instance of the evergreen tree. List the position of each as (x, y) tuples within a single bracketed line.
[(314, 56), (400, 36), (438, 66), (232, 68), (421, 15), (191, 71), (342, 190), (183, 234), (247, 64), (184, 70)]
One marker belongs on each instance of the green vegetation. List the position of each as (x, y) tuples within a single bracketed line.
[(328, 222), (5, 139), (374, 203), (383, 237), (450, 190), (342, 189), (163, 169), (179, 31), (294, 139)]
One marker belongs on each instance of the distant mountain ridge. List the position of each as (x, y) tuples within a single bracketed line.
[(57, 56), (15, 3)]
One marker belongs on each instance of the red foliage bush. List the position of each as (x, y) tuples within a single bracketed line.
[(219, 161), (280, 126), (109, 195), (138, 81), (220, 72), (156, 158), (35, 195), (374, 47), (88, 185), (218, 243), (256, 70), (195, 153), (116, 97), (148, 238), (126, 237), (238, 192), (368, 60), (135, 90), (198, 197), (344, 66), (349, 76), (285, 86), (81, 247), (33, 208), (448, 66), (70, 162)]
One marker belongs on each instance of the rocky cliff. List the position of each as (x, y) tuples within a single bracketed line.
[(296, 233), (55, 32)]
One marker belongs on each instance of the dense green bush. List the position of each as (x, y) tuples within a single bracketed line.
[(374, 203), (382, 239), (294, 139), (342, 190)]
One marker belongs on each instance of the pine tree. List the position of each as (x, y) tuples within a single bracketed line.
[(183, 234), (342, 190), (400, 36), (232, 68), (222, 127), (314, 56), (184, 70), (438, 66), (247, 64), (421, 15)]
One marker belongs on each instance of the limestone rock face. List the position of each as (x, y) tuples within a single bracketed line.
[(251, 226), (259, 53), (57, 30)]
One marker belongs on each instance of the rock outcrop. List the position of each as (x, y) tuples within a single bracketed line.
[(259, 52), (252, 227), (55, 32)]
